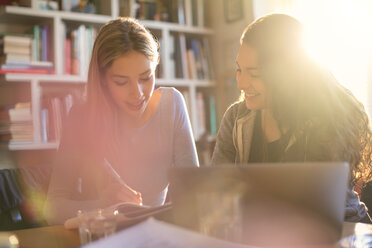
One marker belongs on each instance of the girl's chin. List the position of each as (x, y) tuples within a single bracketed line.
[(253, 105), (134, 113)]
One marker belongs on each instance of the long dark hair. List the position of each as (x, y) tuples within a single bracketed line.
[(306, 95)]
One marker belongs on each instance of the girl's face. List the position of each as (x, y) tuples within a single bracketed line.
[(130, 81), (249, 80)]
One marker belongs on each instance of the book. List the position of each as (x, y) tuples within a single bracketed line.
[(182, 46), (79, 49), (196, 48), (15, 49), (14, 58), (181, 12), (57, 115), (44, 43), (18, 40), (44, 125), (191, 64), (208, 57), (172, 57), (36, 44), (212, 115), (16, 122), (30, 71), (178, 58), (124, 213), (155, 233), (24, 66), (75, 53), (35, 64), (201, 122)]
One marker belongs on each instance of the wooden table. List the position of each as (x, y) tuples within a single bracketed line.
[(51, 236), (59, 237)]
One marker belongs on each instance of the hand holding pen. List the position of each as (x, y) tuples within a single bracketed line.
[(123, 193)]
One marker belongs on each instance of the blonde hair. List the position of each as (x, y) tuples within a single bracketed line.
[(115, 39)]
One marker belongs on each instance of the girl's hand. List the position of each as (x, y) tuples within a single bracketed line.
[(115, 193)]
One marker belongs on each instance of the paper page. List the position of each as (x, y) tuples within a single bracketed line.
[(153, 233)]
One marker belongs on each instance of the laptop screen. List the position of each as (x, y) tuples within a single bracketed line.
[(289, 202)]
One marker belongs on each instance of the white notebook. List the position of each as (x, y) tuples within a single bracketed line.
[(153, 233)]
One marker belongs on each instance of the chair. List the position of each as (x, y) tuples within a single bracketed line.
[(22, 192)]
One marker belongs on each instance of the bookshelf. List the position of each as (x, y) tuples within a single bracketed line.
[(191, 28)]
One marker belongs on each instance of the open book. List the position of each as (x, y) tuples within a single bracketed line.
[(125, 214), (153, 233)]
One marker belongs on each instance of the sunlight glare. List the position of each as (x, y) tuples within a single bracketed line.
[(340, 38)]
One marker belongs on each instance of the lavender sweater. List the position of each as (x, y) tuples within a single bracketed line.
[(164, 141)]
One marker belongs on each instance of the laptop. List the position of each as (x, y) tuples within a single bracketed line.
[(263, 204)]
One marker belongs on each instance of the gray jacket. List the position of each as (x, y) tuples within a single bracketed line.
[(233, 145)]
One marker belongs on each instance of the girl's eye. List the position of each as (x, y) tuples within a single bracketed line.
[(146, 79), (120, 83), (255, 76), (238, 70)]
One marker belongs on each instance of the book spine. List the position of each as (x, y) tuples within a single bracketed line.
[(75, 53), (44, 125), (18, 40), (20, 50), (30, 71), (36, 48), (57, 117), (182, 40), (201, 114), (181, 12), (44, 39), (208, 56), (172, 56), (82, 50), (68, 56), (192, 64), (198, 65), (212, 115)]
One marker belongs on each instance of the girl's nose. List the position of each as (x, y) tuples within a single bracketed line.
[(138, 91), (243, 81)]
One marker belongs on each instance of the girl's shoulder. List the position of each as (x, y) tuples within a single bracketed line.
[(171, 96), (236, 110), (170, 92)]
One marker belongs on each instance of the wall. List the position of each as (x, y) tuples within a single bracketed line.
[(225, 46)]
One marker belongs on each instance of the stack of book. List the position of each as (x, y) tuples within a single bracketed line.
[(198, 61), (26, 53), (16, 123), (54, 111), (78, 49), (190, 58), (206, 113)]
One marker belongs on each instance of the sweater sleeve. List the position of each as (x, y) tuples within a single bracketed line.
[(61, 202), (224, 151), (184, 146)]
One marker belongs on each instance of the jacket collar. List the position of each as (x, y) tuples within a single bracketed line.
[(243, 133)]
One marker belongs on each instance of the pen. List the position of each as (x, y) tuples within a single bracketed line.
[(116, 175)]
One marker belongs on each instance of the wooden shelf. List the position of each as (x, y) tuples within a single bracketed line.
[(64, 15), (174, 27), (84, 17), (50, 78), (32, 146), (24, 18), (177, 82)]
